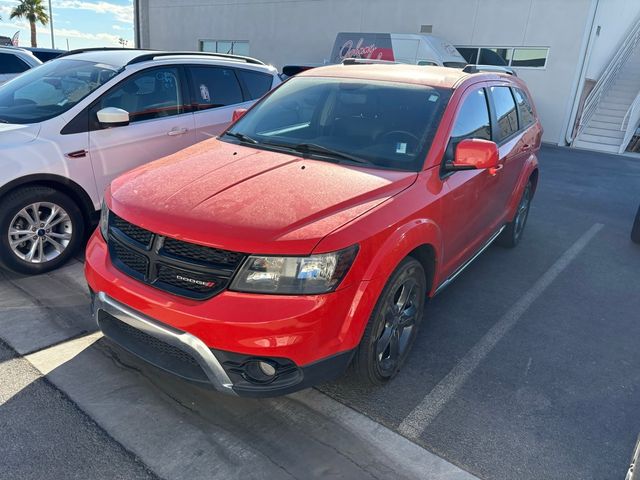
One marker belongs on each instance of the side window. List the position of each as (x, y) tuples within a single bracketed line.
[(9, 63), (505, 112), (524, 108), (213, 87), (473, 118), (148, 95), (256, 83)]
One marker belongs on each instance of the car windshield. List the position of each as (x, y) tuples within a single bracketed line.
[(381, 124), (51, 89)]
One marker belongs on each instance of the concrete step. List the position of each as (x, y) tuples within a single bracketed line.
[(604, 132), (604, 117), (605, 125), (599, 147), (611, 115), (613, 106), (585, 137)]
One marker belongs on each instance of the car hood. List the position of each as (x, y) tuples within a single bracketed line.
[(254, 201), (12, 134)]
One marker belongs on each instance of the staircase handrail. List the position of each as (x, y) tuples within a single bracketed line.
[(610, 75), (633, 117)]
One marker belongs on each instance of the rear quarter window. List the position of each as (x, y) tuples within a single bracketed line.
[(256, 83), (507, 118), (525, 110)]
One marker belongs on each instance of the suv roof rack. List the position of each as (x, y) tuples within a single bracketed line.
[(92, 49), (366, 61), (150, 56), (489, 68)]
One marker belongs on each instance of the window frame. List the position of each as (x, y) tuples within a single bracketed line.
[(527, 100), (513, 50), (232, 42), (89, 111), (449, 151), (494, 114), (187, 72)]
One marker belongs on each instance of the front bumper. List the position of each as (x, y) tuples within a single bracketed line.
[(185, 355)]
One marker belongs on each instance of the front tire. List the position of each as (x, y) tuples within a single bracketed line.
[(635, 230), (393, 325), (40, 229), (512, 234)]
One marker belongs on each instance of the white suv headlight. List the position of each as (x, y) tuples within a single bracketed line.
[(294, 275)]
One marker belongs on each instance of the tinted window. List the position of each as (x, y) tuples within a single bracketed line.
[(46, 56), (530, 57), (213, 87), (9, 63), (148, 95), (389, 125), (256, 83), (495, 56), (524, 108), (505, 112), (470, 54), (473, 118)]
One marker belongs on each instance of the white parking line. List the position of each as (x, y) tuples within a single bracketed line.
[(431, 405)]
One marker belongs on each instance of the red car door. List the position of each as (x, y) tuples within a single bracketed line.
[(469, 203)]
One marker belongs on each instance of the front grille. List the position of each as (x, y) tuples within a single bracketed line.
[(130, 259), (199, 253), (132, 231), (150, 348), (182, 268)]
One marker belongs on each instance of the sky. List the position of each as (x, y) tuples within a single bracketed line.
[(83, 23)]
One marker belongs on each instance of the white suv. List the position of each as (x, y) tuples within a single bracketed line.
[(68, 127), (14, 61)]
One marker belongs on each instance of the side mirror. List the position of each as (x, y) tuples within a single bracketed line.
[(113, 117), (475, 153), (238, 113)]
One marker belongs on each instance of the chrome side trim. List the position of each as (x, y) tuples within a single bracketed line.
[(444, 284), (177, 338)]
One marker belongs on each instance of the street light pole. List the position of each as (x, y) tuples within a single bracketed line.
[(53, 42)]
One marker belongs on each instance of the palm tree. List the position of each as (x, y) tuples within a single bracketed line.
[(33, 11)]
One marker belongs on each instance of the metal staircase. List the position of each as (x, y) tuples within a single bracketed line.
[(611, 112)]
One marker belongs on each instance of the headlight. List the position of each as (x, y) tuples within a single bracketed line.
[(104, 220), (294, 275)]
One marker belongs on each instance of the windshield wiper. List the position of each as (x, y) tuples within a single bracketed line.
[(242, 137), (315, 148)]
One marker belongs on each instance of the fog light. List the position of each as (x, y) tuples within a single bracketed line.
[(268, 369), (259, 371)]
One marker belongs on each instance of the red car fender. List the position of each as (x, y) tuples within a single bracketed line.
[(531, 166), (388, 254)]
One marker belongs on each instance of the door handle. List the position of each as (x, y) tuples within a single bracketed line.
[(177, 131), (494, 170)]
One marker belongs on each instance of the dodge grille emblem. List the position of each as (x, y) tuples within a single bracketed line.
[(197, 282)]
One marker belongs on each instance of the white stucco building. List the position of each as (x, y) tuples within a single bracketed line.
[(573, 41)]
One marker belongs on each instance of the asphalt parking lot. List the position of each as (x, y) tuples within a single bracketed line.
[(526, 367)]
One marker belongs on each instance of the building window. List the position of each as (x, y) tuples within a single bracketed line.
[(528, 57), (235, 47)]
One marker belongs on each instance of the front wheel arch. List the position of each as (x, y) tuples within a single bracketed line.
[(62, 184)]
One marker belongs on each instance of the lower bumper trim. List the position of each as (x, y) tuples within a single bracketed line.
[(192, 346)]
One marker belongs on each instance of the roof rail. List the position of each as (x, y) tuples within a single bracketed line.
[(366, 61), (92, 49), (489, 68), (150, 56)]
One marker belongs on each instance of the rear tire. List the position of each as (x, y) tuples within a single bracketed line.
[(512, 234), (393, 325), (635, 230), (40, 229)]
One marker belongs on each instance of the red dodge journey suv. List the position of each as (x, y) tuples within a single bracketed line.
[(309, 235)]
